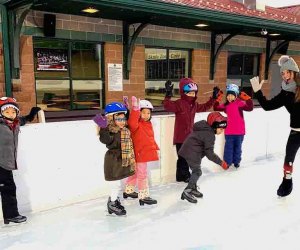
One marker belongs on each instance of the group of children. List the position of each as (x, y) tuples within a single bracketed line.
[(129, 137)]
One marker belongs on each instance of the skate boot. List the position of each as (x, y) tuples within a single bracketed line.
[(148, 201), (17, 219), (285, 187), (187, 195), (115, 207), (129, 192), (236, 165), (196, 192)]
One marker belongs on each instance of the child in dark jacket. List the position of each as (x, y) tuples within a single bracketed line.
[(289, 97), (10, 123), (145, 149), (185, 109), (198, 144), (119, 161), (234, 106)]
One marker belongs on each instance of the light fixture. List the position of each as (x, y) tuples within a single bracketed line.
[(201, 25), (264, 32), (90, 10), (274, 34)]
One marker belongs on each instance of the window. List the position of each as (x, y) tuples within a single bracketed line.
[(68, 75), (163, 64), (241, 68)]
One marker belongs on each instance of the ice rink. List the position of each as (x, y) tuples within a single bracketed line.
[(240, 210)]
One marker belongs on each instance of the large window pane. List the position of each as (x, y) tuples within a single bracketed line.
[(178, 61), (235, 64), (53, 95), (156, 64)]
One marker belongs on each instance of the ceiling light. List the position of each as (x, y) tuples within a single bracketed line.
[(274, 34), (201, 25), (90, 10)]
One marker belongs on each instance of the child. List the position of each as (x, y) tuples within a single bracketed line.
[(198, 144), (185, 109), (119, 161), (10, 123), (289, 97), (145, 149), (235, 131)]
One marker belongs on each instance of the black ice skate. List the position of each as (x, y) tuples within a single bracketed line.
[(237, 165), (17, 219), (196, 192), (285, 187), (132, 195), (187, 195), (148, 201), (115, 207)]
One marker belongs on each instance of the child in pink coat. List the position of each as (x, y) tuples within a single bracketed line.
[(235, 131)]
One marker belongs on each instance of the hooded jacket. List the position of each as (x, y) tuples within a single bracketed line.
[(185, 109), (200, 143)]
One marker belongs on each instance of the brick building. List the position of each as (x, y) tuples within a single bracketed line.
[(71, 62)]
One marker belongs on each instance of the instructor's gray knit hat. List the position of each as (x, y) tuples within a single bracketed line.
[(287, 63)]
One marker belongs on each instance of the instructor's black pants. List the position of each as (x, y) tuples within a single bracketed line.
[(8, 194), (182, 167), (292, 146)]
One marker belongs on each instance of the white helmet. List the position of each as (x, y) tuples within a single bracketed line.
[(145, 104)]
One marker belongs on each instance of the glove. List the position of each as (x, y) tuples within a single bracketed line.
[(244, 96), (256, 86), (100, 120), (134, 103), (216, 92), (32, 114), (224, 165), (169, 88), (220, 96)]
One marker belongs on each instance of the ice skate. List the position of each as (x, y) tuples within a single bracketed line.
[(133, 195), (148, 201), (285, 187), (237, 165), (17, 219), (187, 195), (115, 207), (196, 192)]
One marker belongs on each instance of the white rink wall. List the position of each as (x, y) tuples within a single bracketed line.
[(62, 163)]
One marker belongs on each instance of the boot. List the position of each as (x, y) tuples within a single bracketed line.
[(132, 195), (237, 165), (285, 187), (115, 207), (148, 201), (196, 192), (17, 219), (187, 195)]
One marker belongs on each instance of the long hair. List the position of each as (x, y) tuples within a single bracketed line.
[(297, 80)]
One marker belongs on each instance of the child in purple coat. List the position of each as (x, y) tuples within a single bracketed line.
[(235, 131)]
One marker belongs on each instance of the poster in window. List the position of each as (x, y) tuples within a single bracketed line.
[(51, 60)]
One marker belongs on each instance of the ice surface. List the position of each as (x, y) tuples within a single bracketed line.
[(240, 210)]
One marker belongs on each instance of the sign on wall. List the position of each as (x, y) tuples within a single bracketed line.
[(115, 77), (51, 59)]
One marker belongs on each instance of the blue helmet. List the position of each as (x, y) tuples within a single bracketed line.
[(232, 89), (114, 108), (190, 87)]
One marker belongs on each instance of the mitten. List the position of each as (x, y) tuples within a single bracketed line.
[(216, 92), (244, 96), (32, 114), (169, 88), (100, 120), (256, 86), (224, 165), (126, 102), (219, 96), (134, 103)]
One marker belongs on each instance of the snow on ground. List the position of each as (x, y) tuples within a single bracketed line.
[(240, 210)]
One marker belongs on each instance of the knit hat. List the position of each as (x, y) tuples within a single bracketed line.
[(232, 89), (287, 63), (8, 102)]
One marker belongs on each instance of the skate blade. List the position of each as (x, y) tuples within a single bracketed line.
[(114, 215), (12, 224)]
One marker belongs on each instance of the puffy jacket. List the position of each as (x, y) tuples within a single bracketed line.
[(145, 147), (235, 116), (200, 143)]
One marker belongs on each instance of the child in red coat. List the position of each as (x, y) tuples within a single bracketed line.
[(145, 149)]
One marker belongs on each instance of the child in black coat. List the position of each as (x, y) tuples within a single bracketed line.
[(198, 144)]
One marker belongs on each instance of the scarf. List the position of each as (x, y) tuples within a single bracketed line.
[(128, 159), (290, 87), (189, 99)]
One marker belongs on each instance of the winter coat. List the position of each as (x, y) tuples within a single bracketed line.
[(286, 99), (200, 143), (235, 116), (8, 145), (185, 109), (145, 147), (113, 169)]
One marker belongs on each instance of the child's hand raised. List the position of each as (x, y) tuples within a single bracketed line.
[(100, 120), (135, 103)]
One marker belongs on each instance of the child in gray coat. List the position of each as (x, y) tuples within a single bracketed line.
[(198, 144)]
